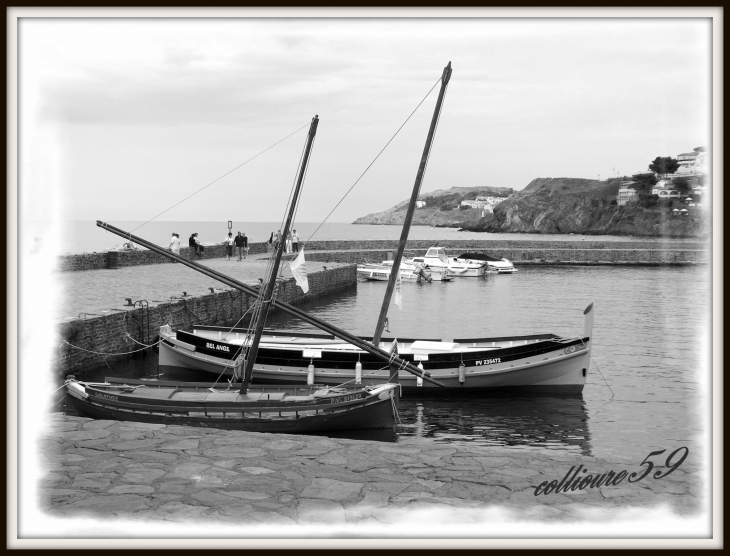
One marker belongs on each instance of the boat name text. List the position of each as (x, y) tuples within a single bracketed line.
[(107, 396), (573, 481), (488, 361), (349, 398), (216, 346)]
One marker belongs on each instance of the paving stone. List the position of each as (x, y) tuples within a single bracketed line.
[(330, 489), (53, 478), (135, 444), (333, 459), (390, 488), (98, 424), (211, 498), (249, 495), (105, 505), (225, 463), (188, 470), (84, 435), (132, 489), (149, 456), (283, 444), (187, 444), (70, 457), (143, 475), (178, 511), (172, 487), (431, 485), (234, 452), (255, 470)]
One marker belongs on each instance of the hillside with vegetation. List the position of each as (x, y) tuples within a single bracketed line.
[(557, 206), (443, 208), (583, 206)]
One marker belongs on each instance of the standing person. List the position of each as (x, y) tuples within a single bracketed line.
[(245, 245), (271, 241), (228, 242), (193, 243), (288, 242), (175, 244), (239, 245), (295, 241), (198, 247), (277, 240)]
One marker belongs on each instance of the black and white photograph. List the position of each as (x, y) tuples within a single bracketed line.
[(364, 277)]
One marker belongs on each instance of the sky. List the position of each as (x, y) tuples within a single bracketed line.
[(120, 119)]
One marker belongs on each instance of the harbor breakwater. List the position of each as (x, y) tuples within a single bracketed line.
[(88, 343), (649, 252)]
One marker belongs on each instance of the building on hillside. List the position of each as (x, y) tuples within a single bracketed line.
[(626, 195), (664, 191), (694, 162), (420, 204), (478, 204), (491, 199)]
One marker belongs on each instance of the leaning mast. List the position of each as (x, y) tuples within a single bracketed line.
[(411, 207)]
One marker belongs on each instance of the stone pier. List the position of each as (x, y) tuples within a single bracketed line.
[(157, 473)]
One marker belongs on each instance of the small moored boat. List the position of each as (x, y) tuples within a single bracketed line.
[(435, 258), (500, 266)]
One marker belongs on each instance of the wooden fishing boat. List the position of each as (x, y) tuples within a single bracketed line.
[(539, 363), (292, 409)]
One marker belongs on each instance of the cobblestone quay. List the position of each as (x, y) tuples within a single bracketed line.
[(124, 470)]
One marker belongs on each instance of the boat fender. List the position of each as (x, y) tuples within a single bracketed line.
[(462, 373), (310, 374), (76, 390), (358, 372), (419, 379)]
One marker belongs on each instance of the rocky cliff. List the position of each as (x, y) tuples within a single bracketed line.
[(571, 205), (552, 206), (442, 208)]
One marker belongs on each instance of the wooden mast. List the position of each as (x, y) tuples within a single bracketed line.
[(269, 291), (411, 207)]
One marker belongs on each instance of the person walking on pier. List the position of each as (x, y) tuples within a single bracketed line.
[(288, 242), (238, 241), (175, 244), (271, 242), (277, 240), (228, 242), (245, 245), (295, 241)]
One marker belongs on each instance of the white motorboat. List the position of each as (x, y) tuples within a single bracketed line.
[(408, 271), (436, 257), (500, 266)]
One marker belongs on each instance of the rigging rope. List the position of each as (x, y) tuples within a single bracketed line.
[(373, 162), (220, 178)]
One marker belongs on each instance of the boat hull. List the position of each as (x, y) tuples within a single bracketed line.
[(379, 416), (538, 365), (365, 413)]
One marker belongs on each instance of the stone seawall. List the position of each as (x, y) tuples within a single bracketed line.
[(122, 332), (530, 256), (134, 257), (512, 249)]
